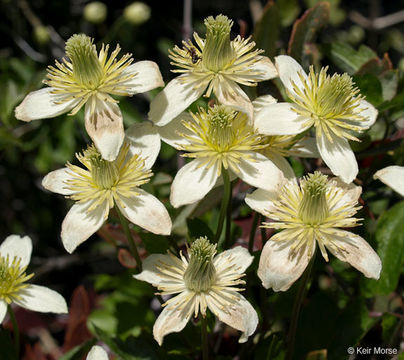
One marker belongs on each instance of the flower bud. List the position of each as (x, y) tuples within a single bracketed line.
[(95, 12), (137, 13)]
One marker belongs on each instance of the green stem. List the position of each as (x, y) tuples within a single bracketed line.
[(296, 310), (223, 207), (16, 330), (228, 220), (252, 232), (263, 232), (204, 339), (132, 244)]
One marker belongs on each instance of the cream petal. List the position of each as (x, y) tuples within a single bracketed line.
[(392, 176), (97, 353), (338, 156), (280, 119), (192, 182), (105, 127), (282, 164), (261, 102), (288, 70), (351, 192), (17, 246), (173, 100), (238, 259), (40, 105), (144, 140), (278, 270), (266, 68), (170, 133), (357, 252), (79, 224), (261, 200), (369, 112), (306, 148), (3, 310), (146, 211), (147, 77), (56, 180), (260, 172), (42, 299)]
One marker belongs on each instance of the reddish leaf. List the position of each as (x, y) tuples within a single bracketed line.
[(126, 259)]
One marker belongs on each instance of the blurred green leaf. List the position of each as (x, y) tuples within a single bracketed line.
[(288, 11), (7, 345), (154, 244), (370, 87), (389, 323), (337, 15), (396, 102), (271, 348), (197, 228), (78, 351)]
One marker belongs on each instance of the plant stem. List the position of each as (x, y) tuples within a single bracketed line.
[(223, 207), (16, 331), (252, 232), (204, 339), (228, 220), (132, 244), (296, 310)]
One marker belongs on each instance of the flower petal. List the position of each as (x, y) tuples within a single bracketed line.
[(173, 100), (262, 101), (282, 164), (266, 68), (306, 148), (338, 156), (147, 77), (357, 252), (42, 299), (280, 119), (55, 181), (351, 192), (288, 70), (261, 200), (392, 176), (146, 211), (144, 140), (17, 246), (259, 171), (3, 310), (192, 182), (277, 269), (105, 127), (79, 224), (170, 133), (238, 258), (369, 112), (97, 353), (40, 105)]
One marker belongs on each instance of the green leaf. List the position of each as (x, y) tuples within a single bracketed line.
[(198, 228), (288, 11), (7, 345), (78, 351), (154, 244), (370, 87), (388, 326)]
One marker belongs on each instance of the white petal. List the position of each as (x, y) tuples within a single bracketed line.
[(369, 112), (263, 101), (170, 320), (145, 141), (42, 299), (266, 68), (277, 269), (105, 127), (351, 192), (147, 77), (173, 100), (306, 148), (40, 105), (282, 164), (261, 200), (392, 176), (192, 182), (97, 353), (288, 70), (56, 180), (260, 172), (3, 310), (17, 246), (170, 133), (240, 316), (280, 119), (338, 156), (358, 253), (238, 258), (146, 211), (79, 224)]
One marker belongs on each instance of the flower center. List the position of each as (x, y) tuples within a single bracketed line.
[(12, 279), (200, 273), (220, 121), (313, 208)]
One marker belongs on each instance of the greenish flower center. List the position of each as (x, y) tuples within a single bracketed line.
[(105, 174), (220, 120), (200, 274)]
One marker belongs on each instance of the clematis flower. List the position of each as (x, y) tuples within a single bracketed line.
[(87, 78), (97, 353), (316, 211), (200, 282), (216, 138), (392, 176), (331, 105), (215, 64), (103, 184), (15, 254)]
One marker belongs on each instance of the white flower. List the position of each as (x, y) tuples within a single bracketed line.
[(216, 64), (216, 138), (15, 254), (104, 184), (202, 281), (91, 79), (97, 353), (392, 176), (329, 104), (313, 212)]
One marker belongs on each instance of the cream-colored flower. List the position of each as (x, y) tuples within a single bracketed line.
[(104, 184), (198, 282), (316, 211), (15, 254), (97, 353), (215, 64), (329, 104), (217, 138), (392, 176), (87, 78)]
